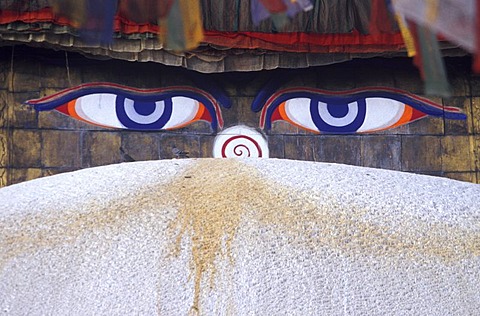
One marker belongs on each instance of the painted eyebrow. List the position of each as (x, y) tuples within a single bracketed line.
[(52, 101)]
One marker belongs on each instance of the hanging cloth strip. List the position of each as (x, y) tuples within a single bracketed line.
[(430, 62), (182, 28), (407, 35), (458, 21), (92, 18), (180, 21)]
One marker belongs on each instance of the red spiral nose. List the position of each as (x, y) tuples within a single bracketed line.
[(240, 142)]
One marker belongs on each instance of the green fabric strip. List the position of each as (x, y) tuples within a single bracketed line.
[(175, 36), (436, 82)]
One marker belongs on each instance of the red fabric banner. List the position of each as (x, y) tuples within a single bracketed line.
[(380, 21), (476, 64), (144, 11), (274, 6), (288, 42)]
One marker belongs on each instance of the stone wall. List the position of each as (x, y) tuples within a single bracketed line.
[(35, 144)]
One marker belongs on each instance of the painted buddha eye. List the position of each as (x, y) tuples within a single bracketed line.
[(116, 111), (366, 115), (115, 106), (357, 111)]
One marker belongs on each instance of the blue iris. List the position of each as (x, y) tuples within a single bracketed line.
[(144, 108), (337, 110)]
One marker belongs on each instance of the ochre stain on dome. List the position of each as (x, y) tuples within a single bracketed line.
[(216, 196)]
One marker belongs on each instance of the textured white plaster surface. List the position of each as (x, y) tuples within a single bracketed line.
[(313, 239)]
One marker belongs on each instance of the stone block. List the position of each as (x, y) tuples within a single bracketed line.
[(4, 148), (53, 76), (458, 74), (421, 153), (101, 148), (26, 148), (105, 71), (476, 151), (13, 111), (373, 76), (429, 125), (187, 143), (459, 83), (408, 78), (335, 77), (462, 176), (285, 128), (61, 149), (138, 75), (458, 153), (245, 114), (46, 172), (26, 76), (231, 90), (476, 115), (379, 151), (338, 149), (276, 146), (439, 174), (240, 113), (308, 143), (400, 130), (299, 147), (206, 146), (18, 175), (475, 85), (22, 115), (304, 78), (140, 146), (5, 74), (459, 127), (4, 108), (249, 84), (57, 120), (3, 177), (148, 75), (230, 116)]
